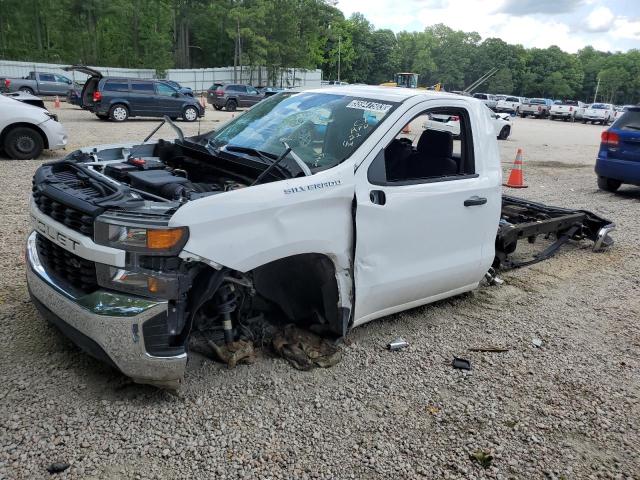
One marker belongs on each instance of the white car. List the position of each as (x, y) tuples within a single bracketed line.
[(26, 130), (602, 113), (501, 123)]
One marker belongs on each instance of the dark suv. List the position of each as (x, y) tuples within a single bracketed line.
[(232, 96), (121, 98)]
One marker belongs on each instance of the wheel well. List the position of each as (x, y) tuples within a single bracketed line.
[(304, 287), (120, 102), (8, 128)]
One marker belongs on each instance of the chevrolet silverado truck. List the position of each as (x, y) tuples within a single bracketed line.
[(318, 208), (39, 83)]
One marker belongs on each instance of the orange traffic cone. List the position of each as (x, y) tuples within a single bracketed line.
[(516, 178), (56, 102)]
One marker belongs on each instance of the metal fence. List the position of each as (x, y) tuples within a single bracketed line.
[(202, 78), (199, 79), (9, 68)]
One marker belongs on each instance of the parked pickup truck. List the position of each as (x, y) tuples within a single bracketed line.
[(538, 107), (566, 110), (510, 105), (602, 113), (37, 83), (318, 208)]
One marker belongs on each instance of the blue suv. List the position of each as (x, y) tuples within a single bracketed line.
[(619, 156)]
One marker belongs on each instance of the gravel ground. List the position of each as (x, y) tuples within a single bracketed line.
[(569, 409)]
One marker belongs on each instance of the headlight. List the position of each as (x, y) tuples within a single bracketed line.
[(165, 241), (141, 282)]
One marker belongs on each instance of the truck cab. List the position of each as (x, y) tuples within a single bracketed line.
[(331, 205)]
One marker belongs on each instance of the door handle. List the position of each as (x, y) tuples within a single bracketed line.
[(475, 200), (378, 197)]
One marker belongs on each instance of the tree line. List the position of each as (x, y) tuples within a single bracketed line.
[(310, 34)]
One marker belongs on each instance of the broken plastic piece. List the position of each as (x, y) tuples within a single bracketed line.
[(536, 342), (461, 363), (397, 344), (57, 467)]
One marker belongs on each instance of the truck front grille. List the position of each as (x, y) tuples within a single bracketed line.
[(66, 267), (68, 216)]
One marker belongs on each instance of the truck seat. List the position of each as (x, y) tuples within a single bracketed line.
[(433, 157)]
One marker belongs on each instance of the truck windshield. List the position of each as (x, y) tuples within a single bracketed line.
[(322, 129), (537, 101)]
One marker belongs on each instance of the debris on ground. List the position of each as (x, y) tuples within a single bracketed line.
[(537, 342), (489, 349), (305, 350), (483, 457), (397, 344), (232, 354), (461, 363), (57, 467)]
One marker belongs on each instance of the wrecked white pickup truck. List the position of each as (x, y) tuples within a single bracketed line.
[(313, 207)]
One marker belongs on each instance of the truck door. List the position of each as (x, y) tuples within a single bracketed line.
[(47, 84), (427, 210)]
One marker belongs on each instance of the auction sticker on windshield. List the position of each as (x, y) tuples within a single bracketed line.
[(368, 105)]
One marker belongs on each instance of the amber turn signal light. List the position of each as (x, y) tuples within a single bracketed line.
[(164, 239)]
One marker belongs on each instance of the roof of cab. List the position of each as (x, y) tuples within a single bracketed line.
[(389, 94)]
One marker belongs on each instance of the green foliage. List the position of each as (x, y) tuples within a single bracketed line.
[(164, 34)]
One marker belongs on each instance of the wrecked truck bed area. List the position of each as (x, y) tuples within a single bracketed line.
[(526, 220)]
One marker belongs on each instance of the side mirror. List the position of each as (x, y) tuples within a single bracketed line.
[(176, 94)]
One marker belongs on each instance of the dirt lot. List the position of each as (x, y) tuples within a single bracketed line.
[(569, 409)]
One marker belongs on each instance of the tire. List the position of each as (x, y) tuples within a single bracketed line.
[(217, 107), (231, 106), (23, 143), (523, 115), (584, 122), (102, 117), (26, 90), (118, 112), (504, 133), (552, 118), (190, 114), (608, 184)]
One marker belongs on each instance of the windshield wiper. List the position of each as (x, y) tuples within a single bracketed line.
[(303, 166), (271, 167)]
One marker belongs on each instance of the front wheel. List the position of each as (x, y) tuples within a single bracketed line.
[(118, 113), (608, 184), (23, 143), (231, 106), (26, 90), (190, 114), (504, 133), (217, 107)]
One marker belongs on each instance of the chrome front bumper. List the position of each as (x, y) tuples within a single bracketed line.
[(112, 320)]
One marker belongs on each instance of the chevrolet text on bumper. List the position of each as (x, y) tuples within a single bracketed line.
[(136, 250)]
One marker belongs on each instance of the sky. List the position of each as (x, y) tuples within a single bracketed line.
[(612, 25)]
